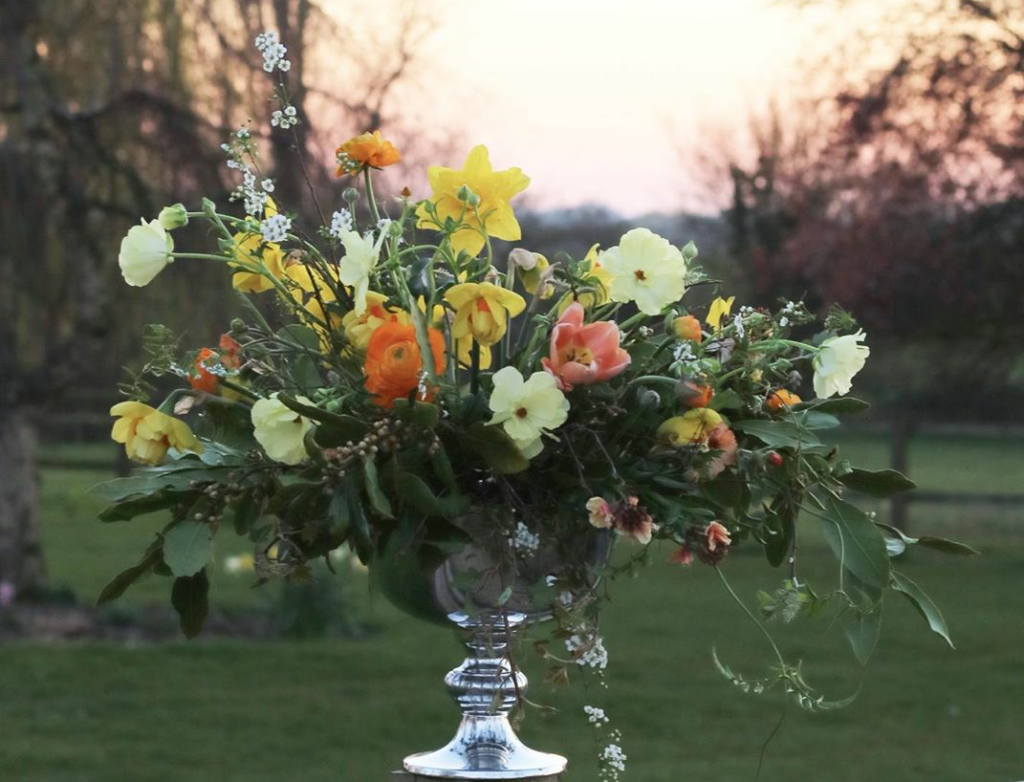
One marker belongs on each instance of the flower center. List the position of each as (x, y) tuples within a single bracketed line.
[(639, 274), (522, 412)]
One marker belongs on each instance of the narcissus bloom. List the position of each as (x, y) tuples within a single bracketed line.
[(147, 433), (361, 256), (280, 430), (536, 278), (691, 428), (781, 399), (687, 327), (527, 409), (145, 251), (495, 190), (719, 309), (839, 359), (260, 259), (645, 269), (394, 366), (584, 353), (482, 311), (366, 149)]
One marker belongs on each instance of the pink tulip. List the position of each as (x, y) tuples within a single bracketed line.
[(583, 354)]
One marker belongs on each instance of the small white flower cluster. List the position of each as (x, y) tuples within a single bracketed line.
[(596, 715), (738, 323), (341, 221), (347, 165), (593, 655), (275, 228), (254, 195), (790, 311), (684, 352), (269, 45), (284, 118), (746, 311), (524, 540), (613, 761)]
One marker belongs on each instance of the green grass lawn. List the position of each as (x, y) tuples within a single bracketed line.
[(350, 709)]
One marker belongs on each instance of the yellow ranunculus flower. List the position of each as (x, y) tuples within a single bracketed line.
[(147, 433), (359, 328), (280, 430), (495, 190), (691, 428), (719, 309)]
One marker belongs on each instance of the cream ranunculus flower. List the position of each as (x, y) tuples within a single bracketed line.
[(527, 408), (280, 430), (361, 256), (646, 269), (148, 434), (839, 359), (145, 251)]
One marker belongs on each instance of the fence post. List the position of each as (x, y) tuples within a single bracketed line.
[(902, 430)]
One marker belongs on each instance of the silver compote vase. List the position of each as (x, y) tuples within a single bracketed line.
[(488, 591)]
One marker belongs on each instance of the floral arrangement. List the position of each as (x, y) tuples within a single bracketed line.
[(392, 378)]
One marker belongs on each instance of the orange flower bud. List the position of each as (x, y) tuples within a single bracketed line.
[(694, 395), (687, 327), (203, 379), (782, 399)]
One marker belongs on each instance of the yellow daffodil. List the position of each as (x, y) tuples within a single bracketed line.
[(645, 269), (527, 409), (482, 311), (492, 215), (692, 428), (147, 433), (720, 308), (309, 278), (361, 256)]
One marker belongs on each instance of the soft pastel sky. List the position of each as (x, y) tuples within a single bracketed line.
[(584, 94)]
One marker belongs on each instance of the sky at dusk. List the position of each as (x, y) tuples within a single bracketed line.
[(591, 98)]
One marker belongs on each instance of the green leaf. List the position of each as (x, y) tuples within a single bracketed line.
[(858, 544), (844, 405), (443, 468), (318, 414), (415, 492), (815, 419), (420, 413), (338, 513), (248, 510), (128, 509), (496, 448), (190, 598), (945, 545), (862, 632), (877, 483), (302, 335), (726, 400), (188, 547), (780, 524), (126, 578), (339, 431), (777, 434), (378, 501), (924, 604), (358, 524)]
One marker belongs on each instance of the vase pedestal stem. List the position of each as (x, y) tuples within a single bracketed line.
[(486, 687)]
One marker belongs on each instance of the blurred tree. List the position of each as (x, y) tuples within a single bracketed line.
[(109, 110), (901, 196)]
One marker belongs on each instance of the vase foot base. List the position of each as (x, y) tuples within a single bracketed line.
[(483, 761)]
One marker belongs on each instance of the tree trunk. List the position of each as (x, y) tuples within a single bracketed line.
[(21, 553)]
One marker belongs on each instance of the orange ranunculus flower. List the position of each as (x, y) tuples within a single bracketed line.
[(393, 362), (367, 149), (696, 395), (687, 327), (204, 380), (230, 352), (781, 399)]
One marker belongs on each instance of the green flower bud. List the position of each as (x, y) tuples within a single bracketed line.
[(172, 217), (351, 195)]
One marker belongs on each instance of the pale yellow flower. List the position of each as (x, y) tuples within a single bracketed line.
[(646, 269), (839, 359), (280, 430), (145, 251), (527, 409), (148, 434)]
